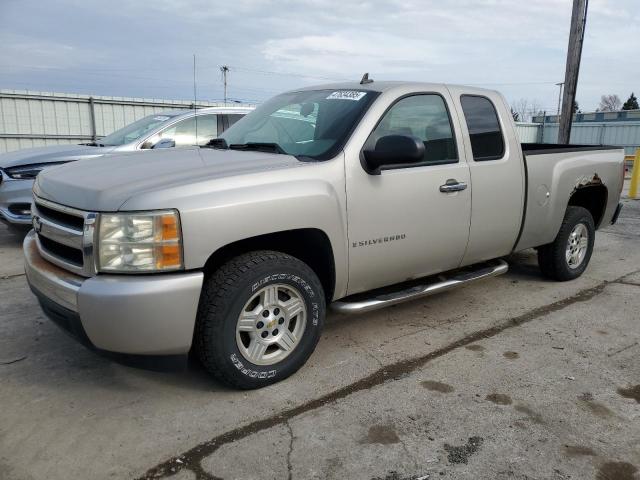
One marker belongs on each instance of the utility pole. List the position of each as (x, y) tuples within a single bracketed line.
[(559, 98), (224, 69), (574, 52), (195, 96)]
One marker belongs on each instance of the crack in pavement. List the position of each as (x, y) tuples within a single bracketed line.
[(289, 466), (365, 350), (13, 360), (191, 459), (624, 282), (14, 275), (623, 349)]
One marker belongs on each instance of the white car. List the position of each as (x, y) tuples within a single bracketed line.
[(177, 128)]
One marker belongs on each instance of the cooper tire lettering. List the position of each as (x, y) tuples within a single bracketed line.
[(225, 295)]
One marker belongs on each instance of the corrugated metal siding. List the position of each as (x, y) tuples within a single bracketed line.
[(528, 132), (9, 144), (33, 119), (623, 134)]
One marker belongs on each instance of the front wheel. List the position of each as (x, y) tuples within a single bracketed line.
[(568, 255), (259, 319)]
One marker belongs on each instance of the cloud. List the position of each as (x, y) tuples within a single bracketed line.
[(344, 53), (145, 49), (21, 53)]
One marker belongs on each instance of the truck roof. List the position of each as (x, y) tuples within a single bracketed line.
[(386, 85)]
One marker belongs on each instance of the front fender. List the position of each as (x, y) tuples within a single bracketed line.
[(311, 195)]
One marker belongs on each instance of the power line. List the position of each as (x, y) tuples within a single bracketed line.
[(291, 74)]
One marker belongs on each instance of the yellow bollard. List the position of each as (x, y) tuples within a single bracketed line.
[(635, 176)]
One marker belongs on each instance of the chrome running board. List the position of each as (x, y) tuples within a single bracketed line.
[(360, 303)]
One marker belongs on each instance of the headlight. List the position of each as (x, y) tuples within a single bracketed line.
[(139, 242), (24, 172)]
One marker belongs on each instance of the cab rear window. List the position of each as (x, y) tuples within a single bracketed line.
[(487, 141)]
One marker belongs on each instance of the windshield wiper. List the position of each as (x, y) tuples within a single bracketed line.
[(260, 146), (216, 143), (93, 144)]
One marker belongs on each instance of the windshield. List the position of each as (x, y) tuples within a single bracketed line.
[(312, 123), (134, 131)]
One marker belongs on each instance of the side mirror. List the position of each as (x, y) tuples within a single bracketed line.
[(393, 150), (165, 143)]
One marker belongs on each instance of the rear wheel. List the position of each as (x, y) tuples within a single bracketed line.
[(259, 319), (568, 255)]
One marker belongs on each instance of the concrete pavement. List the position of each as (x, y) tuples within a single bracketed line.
[(514, 377)]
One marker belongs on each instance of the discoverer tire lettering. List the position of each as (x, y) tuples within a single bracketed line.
[(224, 296)]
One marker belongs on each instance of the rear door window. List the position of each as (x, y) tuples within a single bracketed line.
[(487, 141), (184, 132)]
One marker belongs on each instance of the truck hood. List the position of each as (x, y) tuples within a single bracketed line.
[(54, 153), (106, 185)]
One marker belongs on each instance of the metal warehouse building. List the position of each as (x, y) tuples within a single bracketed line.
[(34, 119)]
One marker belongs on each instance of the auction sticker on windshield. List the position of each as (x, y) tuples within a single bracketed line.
[(346, 95)]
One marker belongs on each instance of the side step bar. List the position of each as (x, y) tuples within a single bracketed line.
[(360, 304)]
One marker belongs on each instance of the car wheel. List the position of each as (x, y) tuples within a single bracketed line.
[(259, 319), (568, 255)]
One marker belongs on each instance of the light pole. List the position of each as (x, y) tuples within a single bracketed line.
[(224, 69), (559, 98)]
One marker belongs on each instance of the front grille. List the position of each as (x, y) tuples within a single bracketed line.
[(65, 236), (62, 218), (64, 252)]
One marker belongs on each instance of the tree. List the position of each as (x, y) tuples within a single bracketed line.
[(525, 109), (631, 103), (610, 103), (576, 108)]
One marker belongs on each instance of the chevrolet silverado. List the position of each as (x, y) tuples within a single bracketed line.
[(350, 196)]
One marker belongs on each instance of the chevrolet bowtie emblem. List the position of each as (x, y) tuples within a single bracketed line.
[(37, 223)]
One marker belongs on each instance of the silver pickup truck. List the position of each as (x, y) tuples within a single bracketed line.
[(353, 196)]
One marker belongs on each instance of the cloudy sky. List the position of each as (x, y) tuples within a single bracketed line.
[(145, 49)]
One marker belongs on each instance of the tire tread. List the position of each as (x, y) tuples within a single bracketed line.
[(217, 294), (551, 257)]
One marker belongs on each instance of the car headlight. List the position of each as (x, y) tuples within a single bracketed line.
[(139, 242), (24, 172)]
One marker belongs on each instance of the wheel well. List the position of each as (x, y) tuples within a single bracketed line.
[(310, 245), (593, 198)]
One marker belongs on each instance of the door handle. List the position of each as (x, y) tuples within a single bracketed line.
[(453, 185)]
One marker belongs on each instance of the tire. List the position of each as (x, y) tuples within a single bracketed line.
[(232, 327), (553, 257)]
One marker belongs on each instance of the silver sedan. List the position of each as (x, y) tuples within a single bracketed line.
[(176, 128)]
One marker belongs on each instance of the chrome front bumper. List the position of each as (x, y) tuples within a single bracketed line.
[(131, 314)]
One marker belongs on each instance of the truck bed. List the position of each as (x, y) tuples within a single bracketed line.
[(552, 174), (540, 148)]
